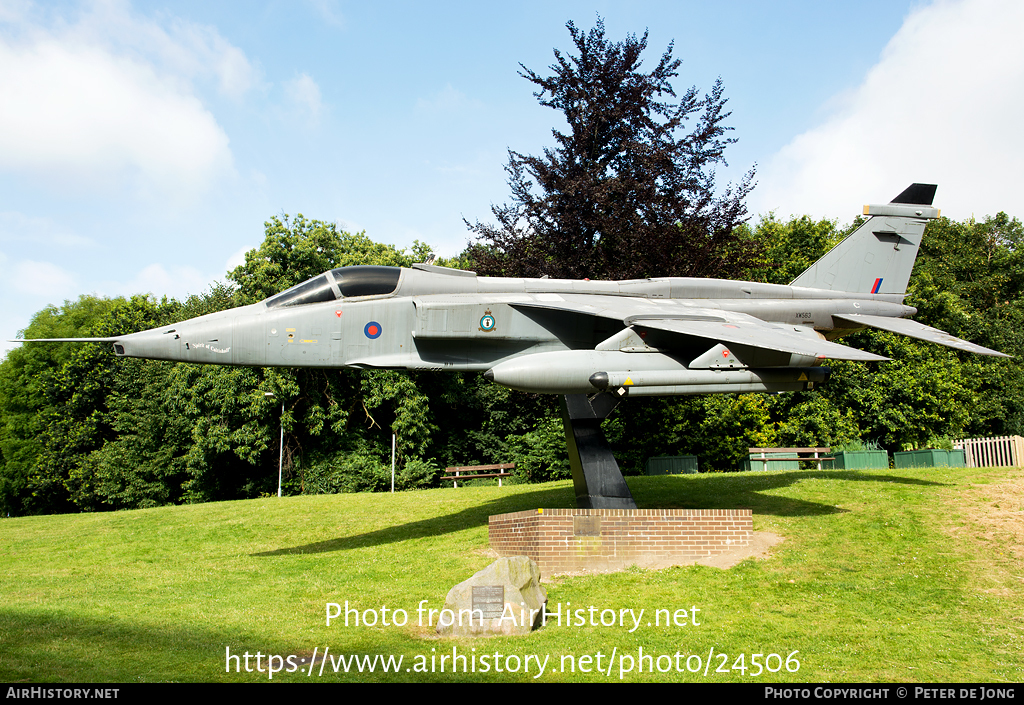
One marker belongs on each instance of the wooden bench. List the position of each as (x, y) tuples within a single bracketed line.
[(815, 455), (477, 472)]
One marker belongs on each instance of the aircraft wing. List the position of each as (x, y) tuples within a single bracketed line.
[(712, 324), (913, 329), (741, 329)]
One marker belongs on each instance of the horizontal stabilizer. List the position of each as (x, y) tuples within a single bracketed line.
[(913, 329)]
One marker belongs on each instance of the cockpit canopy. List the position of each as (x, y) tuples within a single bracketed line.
[(344, 282)]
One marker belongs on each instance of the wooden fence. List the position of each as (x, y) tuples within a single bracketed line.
[(1001, 451)]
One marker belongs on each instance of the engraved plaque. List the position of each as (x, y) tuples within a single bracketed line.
[(490, 600), (586, 526)]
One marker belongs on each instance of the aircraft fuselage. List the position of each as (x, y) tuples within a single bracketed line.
[(475, 327)]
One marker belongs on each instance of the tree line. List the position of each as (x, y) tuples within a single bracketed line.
[(628, 191), (83, 430)]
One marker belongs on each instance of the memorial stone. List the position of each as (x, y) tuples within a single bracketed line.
[(503, 598)]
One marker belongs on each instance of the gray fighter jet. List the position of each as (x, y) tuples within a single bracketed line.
[(644, 337), (594, 341)]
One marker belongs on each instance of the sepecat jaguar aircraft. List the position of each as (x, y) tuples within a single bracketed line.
[(640, 337), (596, 342)]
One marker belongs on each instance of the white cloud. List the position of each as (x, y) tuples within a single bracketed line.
[(304, 94), (109, 102), (942, 105), (212, 53), (185, 50)]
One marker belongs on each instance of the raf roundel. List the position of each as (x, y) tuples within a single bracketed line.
[(373, 330)]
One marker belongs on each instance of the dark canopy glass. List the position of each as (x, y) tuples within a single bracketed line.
[(363, 280), (367, 280)]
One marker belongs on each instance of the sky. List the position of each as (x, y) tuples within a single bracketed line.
[(144, 145)]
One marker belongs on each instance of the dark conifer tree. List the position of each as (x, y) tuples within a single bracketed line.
[(629, 192)]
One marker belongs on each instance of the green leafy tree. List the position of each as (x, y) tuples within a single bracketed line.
[(720, 428), (814, 420), (409, 409), (27, 384), (968, 280), (55, 402), (785, 249), (540, 453), (143, 464), (294, 250), (918, 395)]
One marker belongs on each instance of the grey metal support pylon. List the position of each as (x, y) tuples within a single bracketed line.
[(595, 474)]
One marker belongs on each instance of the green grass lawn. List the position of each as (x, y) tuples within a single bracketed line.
[(897, 575)]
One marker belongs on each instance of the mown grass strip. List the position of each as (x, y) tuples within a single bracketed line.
[(883, 576)]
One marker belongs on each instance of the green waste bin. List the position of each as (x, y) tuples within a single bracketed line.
[(672, 465), (860, 460), (930, 458)]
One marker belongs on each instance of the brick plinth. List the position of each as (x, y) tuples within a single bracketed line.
[(567, 540)]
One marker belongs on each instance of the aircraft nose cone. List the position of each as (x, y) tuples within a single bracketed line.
[(489, 375)]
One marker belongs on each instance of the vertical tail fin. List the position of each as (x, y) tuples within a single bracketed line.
[(877, 257)]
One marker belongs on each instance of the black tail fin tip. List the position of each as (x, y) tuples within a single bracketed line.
[(917, 195)]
